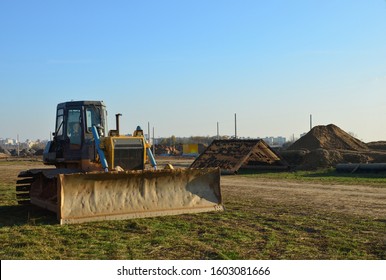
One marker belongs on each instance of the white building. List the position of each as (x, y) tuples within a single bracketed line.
[(275, 141), (7, 141)]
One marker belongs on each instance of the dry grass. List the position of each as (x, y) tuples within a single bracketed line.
[(265, 218)]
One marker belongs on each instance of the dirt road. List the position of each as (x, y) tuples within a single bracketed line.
[(366, 201)]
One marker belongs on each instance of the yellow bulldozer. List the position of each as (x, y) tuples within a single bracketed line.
[(102, 175)]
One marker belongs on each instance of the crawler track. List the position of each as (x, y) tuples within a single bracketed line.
[(23, 186)]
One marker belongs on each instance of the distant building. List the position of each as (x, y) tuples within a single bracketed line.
[(28, 144), (7, 141), (275, 141)]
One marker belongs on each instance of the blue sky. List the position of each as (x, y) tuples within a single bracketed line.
[(183, 66)]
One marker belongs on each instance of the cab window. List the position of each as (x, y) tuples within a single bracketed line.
[(92, 118), (74, 129), (59, 122)]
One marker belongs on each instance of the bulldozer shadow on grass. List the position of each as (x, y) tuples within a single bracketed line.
[(13, 215)]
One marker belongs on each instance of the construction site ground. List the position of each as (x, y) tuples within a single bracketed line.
[(265, 218), (357, 199)]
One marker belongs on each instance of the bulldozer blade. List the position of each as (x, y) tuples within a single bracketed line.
[(135, 194)]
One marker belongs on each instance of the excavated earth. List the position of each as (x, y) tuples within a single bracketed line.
[(326, 146)]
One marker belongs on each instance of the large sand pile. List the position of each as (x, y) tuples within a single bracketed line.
[(329, 137), (326, 146)]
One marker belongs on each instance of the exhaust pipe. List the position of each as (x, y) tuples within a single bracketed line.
[(117, 123)]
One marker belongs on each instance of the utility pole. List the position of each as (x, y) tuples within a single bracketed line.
[(235, 126), (148, 132), (153, 143), (310, 121), (218, 132), (18, 145)]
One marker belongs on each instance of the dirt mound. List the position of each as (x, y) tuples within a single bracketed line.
[(377, 145), (174, 150), (326, 146), (321, 158), (328, 137)]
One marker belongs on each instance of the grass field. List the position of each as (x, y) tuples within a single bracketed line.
[(325, 176), (268, 216)]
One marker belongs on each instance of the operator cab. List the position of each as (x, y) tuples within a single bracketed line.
[(73, 139)]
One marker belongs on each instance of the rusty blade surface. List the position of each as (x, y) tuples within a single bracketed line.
[(134, 194)]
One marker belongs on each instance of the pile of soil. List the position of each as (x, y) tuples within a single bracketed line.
[(175, 150), (328, 137), (377, 145), (326, 146)]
